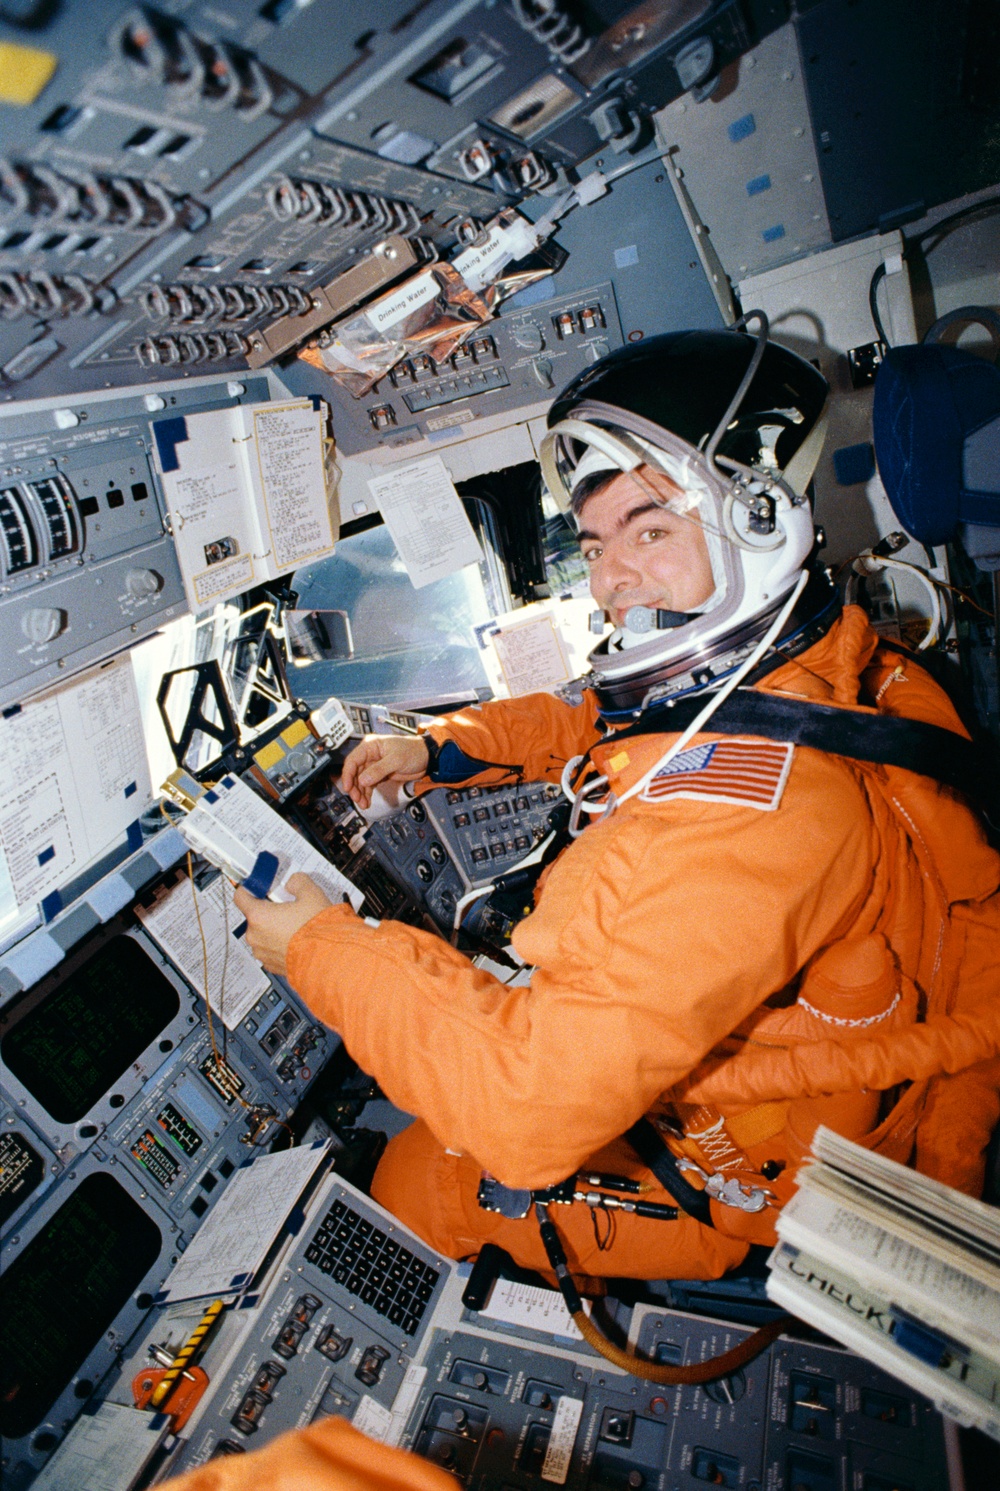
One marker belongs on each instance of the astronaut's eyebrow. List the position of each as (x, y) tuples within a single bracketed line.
[(626, 518)]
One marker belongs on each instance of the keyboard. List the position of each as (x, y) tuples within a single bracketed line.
[(382, 1272)]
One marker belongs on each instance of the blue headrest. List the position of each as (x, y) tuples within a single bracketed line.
[(936, 423)]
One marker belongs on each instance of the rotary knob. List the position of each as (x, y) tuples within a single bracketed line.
[(41, 624), (530, 336), (141, 583)]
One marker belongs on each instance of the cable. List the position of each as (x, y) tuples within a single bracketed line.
[(696, 1372), (938, 231), (876, 280), (744, 384), (945, 224), (873, 563), (735, 679), (608, 805)]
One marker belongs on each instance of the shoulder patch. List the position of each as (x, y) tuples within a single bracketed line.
[(746, 773)]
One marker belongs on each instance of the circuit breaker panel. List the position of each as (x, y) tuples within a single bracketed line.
[(187, 189)]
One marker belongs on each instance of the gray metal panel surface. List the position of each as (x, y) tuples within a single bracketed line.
[(750, 162)]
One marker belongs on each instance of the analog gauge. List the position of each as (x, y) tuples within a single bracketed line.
[(20, 546), (56, 501)]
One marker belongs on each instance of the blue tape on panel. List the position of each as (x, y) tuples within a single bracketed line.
[(261, 877), (741, 128), (109, 896), (131, 789), (758, 184), (46, 855), (169, 433), (211, 796), (771, 235), (133, 835), (34, 958), (51, 906)]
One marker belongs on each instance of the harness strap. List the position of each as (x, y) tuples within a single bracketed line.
[(655, 1155), (914, 745)]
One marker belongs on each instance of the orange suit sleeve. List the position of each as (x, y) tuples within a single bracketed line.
[(656, 932), (532, 736), (328, 1456)]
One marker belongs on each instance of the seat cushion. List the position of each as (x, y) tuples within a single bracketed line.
[(936, 423)]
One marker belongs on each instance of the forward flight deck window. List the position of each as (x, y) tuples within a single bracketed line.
[(410, 646)]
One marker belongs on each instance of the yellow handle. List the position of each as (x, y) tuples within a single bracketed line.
[(191, 1346)]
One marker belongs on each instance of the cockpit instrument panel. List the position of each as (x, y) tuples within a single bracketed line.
[(80, 1046), (102, 1231)]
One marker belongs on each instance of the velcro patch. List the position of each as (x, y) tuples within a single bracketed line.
[(747, 773)]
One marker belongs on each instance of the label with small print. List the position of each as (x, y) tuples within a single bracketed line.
[(372, 1419), (413, 294), (555, 1467)]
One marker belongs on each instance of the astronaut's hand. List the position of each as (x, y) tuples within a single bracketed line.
[(271, 925), (383, 758)]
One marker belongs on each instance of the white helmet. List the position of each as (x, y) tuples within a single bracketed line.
[(736, 424)]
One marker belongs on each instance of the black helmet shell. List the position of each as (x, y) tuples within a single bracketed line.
[(684, 380)]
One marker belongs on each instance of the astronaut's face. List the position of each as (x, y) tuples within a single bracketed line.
[(641, 554)]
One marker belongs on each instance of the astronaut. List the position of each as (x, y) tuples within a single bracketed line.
[(756, 926)]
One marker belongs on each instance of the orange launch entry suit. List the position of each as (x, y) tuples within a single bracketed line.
[(750, 971), (824, 948), (328, 1456)]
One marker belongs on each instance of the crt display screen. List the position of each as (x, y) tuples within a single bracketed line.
[(76, 1043), (62, 1293)]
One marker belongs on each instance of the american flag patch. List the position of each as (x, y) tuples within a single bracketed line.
[(748, 773)]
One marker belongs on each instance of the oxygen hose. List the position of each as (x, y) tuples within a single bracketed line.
[(695, 1372)]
